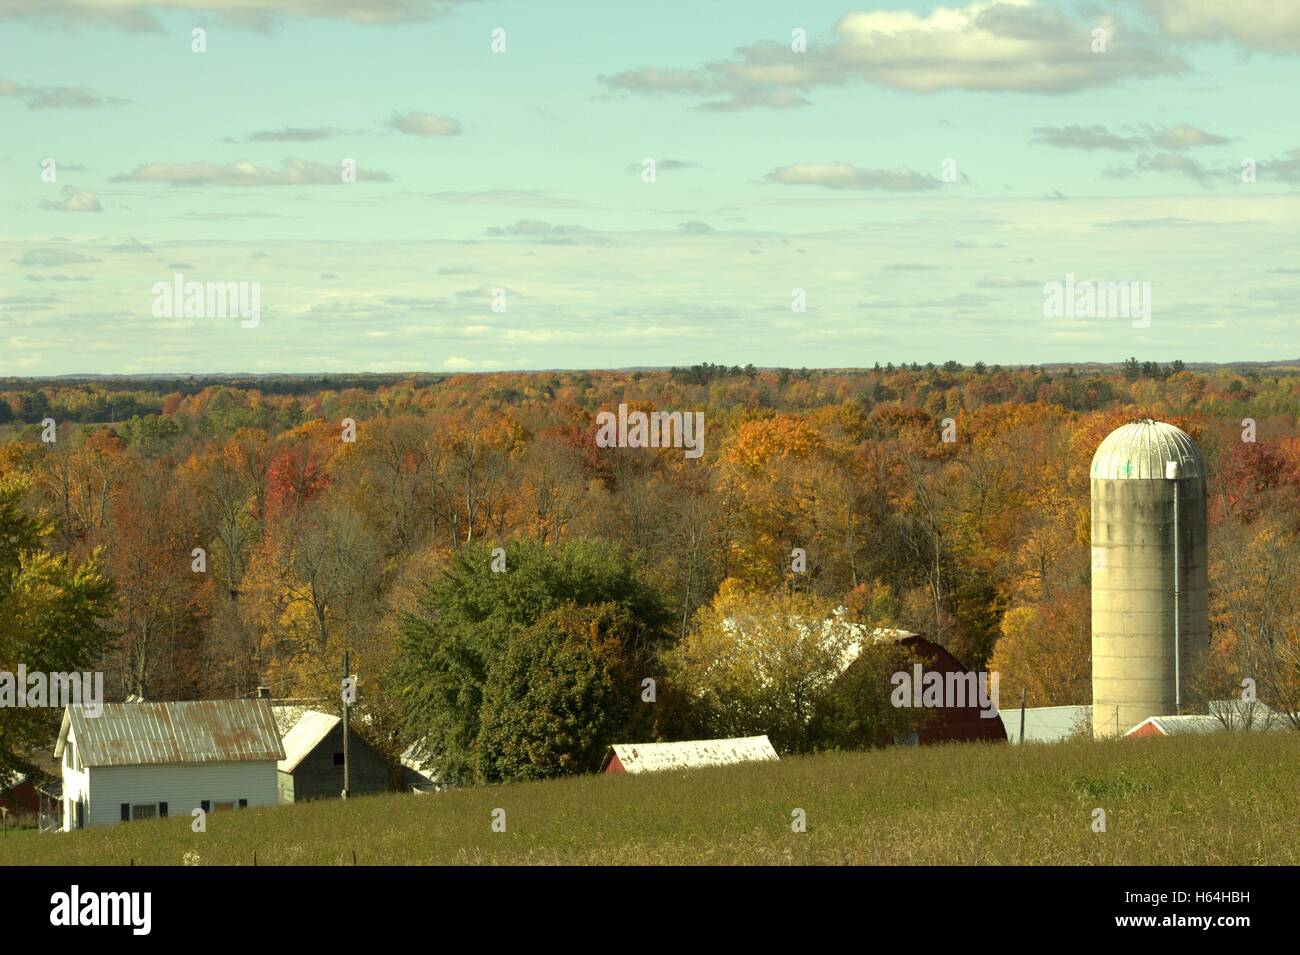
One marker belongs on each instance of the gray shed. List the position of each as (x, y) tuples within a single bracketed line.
[(312, 767)]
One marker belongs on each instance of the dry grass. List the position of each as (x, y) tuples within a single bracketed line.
[(1226, 799)]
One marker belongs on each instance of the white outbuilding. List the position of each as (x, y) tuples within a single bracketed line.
[(1047, 724), (151, 760)]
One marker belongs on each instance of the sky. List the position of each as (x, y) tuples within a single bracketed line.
[(834, 184)]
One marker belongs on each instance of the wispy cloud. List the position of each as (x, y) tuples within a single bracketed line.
[(425, 124), (536, 230), (57, 97), (132, 246), (665, 165), (1182, 165), (292, 134), (74, 200), (839, 175), (52, 258), (1178, 137), (292, 172), (142, 15), (1286, 169)]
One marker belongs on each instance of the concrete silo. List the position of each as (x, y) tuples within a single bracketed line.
[(1150, 610)]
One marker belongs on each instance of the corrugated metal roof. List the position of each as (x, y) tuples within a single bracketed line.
[(207, 731), (304, 735), (1140, 450), (1198, 723), (1047, 724), (656, 757)]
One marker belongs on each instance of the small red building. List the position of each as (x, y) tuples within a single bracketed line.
[(1199, 723), (688, 754), (19, 796)]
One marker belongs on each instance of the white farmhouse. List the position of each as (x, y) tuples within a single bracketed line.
[(149, 760)]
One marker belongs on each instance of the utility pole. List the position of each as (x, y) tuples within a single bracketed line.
[(1024, 693), (347, 686)]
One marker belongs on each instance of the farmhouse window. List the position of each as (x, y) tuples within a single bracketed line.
[(126, 812), (205, 805), (225, 805), (144, 811), (243, 804), (162, 810)]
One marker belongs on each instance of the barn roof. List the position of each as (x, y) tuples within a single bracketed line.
[(1189, 723), (207, 731), (1046, 724), (855, 635), (306, 728), (655, 757)]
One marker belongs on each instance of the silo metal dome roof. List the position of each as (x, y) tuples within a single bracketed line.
[(1140, 450)]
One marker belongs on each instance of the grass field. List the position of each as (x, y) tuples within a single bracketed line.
[(1229, 798)]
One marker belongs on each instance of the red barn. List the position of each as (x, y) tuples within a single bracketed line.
[(947, 724)]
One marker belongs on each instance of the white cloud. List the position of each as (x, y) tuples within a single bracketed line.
[(1012, 46), (142, 15), (425, 124), (57, 97), (52, 257), (1272, 25), (292, 172), (456, 363), (74, 200), (839, 175), (132, 246), (1185, 136), (1180, 136), (292, 134)]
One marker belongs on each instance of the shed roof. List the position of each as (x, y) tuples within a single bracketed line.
[(689, 754), (206, 731), (1046, 724), (306, 729)]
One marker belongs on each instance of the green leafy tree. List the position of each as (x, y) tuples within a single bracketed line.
[(858, 713), (51, 618), (789, 665), (464, 623), (559, 696)]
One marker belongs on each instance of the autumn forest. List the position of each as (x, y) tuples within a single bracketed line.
[(217, 535)]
